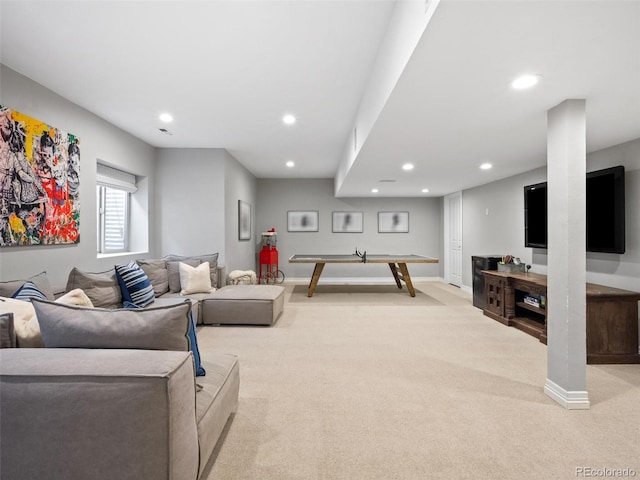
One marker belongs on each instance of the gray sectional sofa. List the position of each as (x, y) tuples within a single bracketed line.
[(98, 410), (114, 394), (227, 305)]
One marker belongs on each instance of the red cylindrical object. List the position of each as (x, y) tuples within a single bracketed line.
[(268, 261)]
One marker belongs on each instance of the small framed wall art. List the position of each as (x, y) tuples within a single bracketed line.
[(347, 222), (393, 222), (302, 221), (244, 220)]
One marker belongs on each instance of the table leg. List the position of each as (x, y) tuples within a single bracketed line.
[(317, 271), (407, 278), (394, 270)]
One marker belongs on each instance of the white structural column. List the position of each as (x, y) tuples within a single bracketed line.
[(566, 270)]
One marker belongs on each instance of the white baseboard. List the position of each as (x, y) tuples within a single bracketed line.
[(571, 400)]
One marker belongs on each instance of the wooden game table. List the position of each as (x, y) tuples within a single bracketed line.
[(397, 264)]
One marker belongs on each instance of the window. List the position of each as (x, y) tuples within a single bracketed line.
[(113, 215), (113, 190)]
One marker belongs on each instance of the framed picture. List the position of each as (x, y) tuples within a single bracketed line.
[(244, 220), (305, 221), (393, 222), (347, 222), (40, 184)]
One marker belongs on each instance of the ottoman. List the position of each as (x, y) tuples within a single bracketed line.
[(244, 305)]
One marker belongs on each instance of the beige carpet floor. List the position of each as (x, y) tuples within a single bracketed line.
[(378, 387)]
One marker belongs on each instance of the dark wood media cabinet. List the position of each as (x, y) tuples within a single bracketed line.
[(612, 314)]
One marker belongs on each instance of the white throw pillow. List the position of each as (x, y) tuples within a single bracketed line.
[(75, 297), (25, 322), (195, 279)]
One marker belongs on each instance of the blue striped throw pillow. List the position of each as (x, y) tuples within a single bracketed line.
[(134, 284), (29, 291)]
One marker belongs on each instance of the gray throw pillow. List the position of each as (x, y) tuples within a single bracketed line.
[(173, 269), (158, 275), (102, 288), (160, 328), (41, 281), (7, 333)]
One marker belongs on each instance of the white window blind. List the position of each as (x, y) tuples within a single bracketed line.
[(114, 188), (115, 220), (114, 178)]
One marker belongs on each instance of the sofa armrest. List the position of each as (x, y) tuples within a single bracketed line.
[(99, 414), (222, 276)]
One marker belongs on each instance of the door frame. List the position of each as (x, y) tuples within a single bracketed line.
[(447, 239)]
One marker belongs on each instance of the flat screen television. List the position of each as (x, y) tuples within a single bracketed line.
[(604, 212), (535, 215)]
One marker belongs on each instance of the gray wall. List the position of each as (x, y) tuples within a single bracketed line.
[(98, 140), (190, 202), (198, 204), (621, 271), (278, 196), (240, 184), (493, 221), (502, 230)]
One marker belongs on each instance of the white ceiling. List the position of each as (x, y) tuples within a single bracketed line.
[(229, 70)]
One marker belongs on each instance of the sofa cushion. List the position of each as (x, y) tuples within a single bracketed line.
[(101, 287), (211, 258), (195, 279), (161, 328), (244, 305), (193, 339), (173, 269), (134, 284), (156, 270), (173, 298), (95, 414), (28, 291), (7, 333), (41, 281), (216, 400)]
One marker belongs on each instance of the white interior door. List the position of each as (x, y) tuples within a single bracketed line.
[(453, 238)]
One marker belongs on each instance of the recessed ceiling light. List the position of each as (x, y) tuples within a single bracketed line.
[(166, 117), (289, 119), (374, 190), (290, 164), (486, 166), (425, 190), (407, 166), (526, 81)]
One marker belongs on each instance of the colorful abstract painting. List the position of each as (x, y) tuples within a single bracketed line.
[(39, 182)]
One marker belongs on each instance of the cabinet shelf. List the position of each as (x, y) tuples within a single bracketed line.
[(539, 310), (531, 326)]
